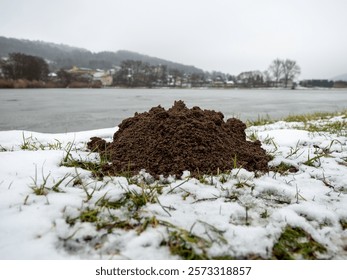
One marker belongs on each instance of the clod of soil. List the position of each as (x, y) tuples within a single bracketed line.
[(168, 142)]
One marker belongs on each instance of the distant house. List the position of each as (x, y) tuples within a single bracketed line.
[(230, 84), (218, 81), (340, 84), (105, 77), (170, 80), (82, 74), (52, 75), (290, 83), (81, 71)]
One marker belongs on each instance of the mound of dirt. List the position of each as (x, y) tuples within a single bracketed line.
[(168, 142)]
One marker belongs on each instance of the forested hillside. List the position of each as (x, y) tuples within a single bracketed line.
[(63, 56)]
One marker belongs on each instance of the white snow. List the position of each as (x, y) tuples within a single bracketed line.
[(238, 214)]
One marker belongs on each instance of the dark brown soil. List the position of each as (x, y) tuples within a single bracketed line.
[(168, 142)]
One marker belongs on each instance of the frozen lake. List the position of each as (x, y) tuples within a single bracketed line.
[(67, 110)]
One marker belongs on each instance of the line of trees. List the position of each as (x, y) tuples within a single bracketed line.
[(21, 66), (26, 71), (139, 74), (135, 73)]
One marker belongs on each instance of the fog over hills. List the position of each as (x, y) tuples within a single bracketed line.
[(342, 77), (63, 56)]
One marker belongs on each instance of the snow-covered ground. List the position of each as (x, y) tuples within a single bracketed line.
[(51, 208)]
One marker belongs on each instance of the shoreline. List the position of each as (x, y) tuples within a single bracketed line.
[(178, 88)]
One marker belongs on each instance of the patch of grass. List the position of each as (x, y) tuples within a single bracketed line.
[(327, 150), (77, 181), (214, 234), (338, 127), (89, 191), (40, 188), (343, 224), (306, 119), (223, 257), (261, 120), (235, 164), (295, 243), (89, 215), (265, 214), (71, 221), (94, 167), (68, 149), (253, 136), (2, 149), (132, 199), (232, 196), (242, 183), (270, 141), (271, 156), (139, 199), (184, 243), (110, 225), (179, 186), (224, 177), (138, 224), (33, 144), (314, 161), (317, 122), (180, 244), (149, 221), (111, 204), (284, 168), (57, 145), (294, 151), (309, 117), (56, 186), (28, 143), (206, 179)]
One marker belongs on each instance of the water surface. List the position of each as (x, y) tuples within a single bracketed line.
[(67, 110)]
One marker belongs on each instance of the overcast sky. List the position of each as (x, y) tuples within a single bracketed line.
[(227, 35)]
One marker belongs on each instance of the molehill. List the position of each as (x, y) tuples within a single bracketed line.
[(168, 142)]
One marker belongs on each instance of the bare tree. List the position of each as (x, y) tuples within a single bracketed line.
[(276, 70), (290, 70)]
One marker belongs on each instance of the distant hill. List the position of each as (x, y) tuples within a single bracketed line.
[(63, 56), (342, 77)]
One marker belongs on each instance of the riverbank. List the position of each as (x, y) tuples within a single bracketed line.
[(26, 84), (53, 207)]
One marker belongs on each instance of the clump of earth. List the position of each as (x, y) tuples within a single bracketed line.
[(169, 142)]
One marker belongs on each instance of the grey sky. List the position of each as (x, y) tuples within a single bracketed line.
[(227, 35)]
